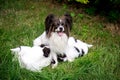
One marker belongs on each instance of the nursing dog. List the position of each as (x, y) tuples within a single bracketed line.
[(56, 34)]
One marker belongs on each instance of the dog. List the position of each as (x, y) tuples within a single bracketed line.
[(57, 32), (33, 58), (76, 48)]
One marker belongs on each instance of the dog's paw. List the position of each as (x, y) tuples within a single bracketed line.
[(71, 60), (54, 65)]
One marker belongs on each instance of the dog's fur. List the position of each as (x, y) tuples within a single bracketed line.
[(57, 31), (53, 44), (76, 48), (33, 58)]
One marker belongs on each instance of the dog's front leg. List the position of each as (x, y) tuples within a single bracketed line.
[(55, 61)]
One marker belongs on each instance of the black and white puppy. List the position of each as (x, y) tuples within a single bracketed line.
[(76, 48), (57, 31), (33, 58)]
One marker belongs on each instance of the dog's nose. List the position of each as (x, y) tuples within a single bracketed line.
[(61, 29)]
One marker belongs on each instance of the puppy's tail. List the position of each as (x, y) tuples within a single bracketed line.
[(89, 45), (16, 50)]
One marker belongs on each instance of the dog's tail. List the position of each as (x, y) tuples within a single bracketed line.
[(84, 51), (89, 45)]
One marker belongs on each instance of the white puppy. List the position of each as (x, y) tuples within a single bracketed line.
[(76, 48), (33, 58)]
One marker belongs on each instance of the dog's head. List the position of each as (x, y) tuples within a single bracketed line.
[(46, 51), (60, 25)]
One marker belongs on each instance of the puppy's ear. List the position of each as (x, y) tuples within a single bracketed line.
[(42, 45), (48, 21), (46, 52), (68, 18)]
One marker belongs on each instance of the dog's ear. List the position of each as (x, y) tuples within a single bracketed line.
[(68, 18), (46, 52), (48, 21), (42, 45)]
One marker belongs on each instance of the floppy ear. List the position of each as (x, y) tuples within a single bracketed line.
[(68, 18), (46, 52), (48, 22)]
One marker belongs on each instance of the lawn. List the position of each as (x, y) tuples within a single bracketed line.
[(22, 21)]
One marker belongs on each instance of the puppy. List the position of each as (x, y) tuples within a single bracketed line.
[(57, 31), (75, 49), (33, 58)]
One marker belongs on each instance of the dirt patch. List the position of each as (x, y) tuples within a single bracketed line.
[(112, 27)]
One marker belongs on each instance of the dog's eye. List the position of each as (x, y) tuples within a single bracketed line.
[(58, 24), (62, 24), (56, 27)]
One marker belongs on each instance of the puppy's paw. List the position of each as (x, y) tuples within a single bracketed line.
[(54, 66), (71, 60), (65, 59)]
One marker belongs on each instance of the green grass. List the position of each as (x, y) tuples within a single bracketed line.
[(21, 22)]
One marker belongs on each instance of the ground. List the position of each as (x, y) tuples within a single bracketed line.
[(22, 21)]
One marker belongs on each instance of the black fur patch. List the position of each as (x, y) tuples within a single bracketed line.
[(42, 45), (61, 57), (79, 55), (48, 22), (75, 40), (82, 53), (46, 52), (53, 61), (77, 49), (68, 18)]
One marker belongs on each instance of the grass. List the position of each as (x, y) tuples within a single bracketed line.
[(21, 22)]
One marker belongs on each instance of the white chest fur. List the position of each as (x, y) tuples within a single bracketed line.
[(57, 43)]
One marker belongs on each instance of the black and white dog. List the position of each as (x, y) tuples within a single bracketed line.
[(54, 43), (33, 58), (76, 48), (57, 31)]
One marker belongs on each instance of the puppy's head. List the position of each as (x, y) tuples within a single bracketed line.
[(60, 25), (46, 52)]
